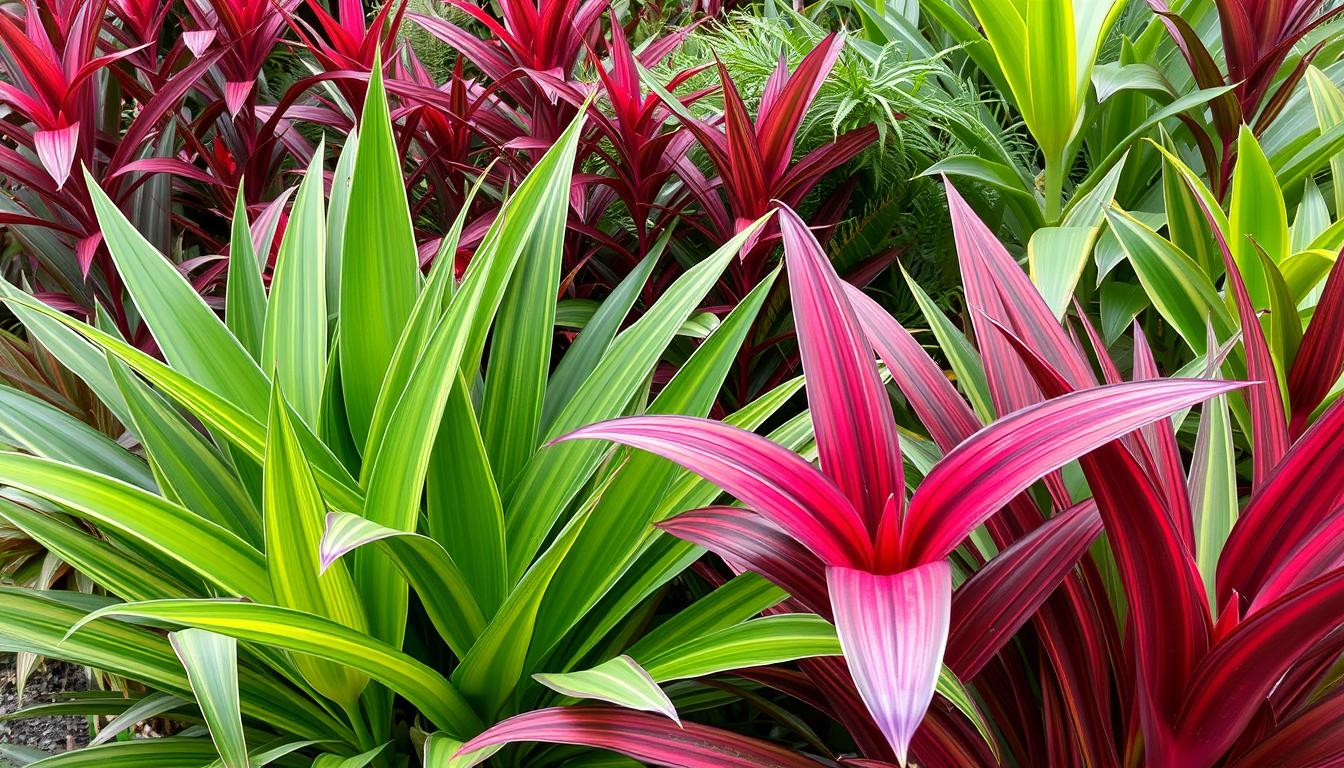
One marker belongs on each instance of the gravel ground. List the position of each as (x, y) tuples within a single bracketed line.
[(51, 734)]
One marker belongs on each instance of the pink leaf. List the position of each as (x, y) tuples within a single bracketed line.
[(235, 95), (198, 41), (893, 629), (641, 736), (767, 477), (56, 151), (1000, 461), (851, 414)]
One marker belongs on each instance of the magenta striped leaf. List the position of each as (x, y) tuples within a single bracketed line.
[(851, 414), (1234, 679), (772, 480), (747, 541), (1269, 423), (940, 408), (1320, 358), (994, 603), (982, 474), (651, 739), (893, 630), (56, 150), (1303, 490)]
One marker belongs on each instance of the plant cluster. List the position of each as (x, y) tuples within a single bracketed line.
[(579, 383)]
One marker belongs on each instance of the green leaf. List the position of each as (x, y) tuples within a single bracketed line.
[(1177, 287), (1213, 487), (619, 681), (295, 515), (44, 430), (173, 752), (1112, 78), (358, 761), (40, 621), (199, 545), (152, 706), (590, 345), (192, 337), (211, 662), (960, 354), (463, 511), (111, 567), (556, 474), (1256, 213), (194, 474), (1056, 257), (399, 457), (738, 600), (294, 338), (303, 633), (338, 207), (445, 593), (767, 640), (1328, 103), (379, 269), (244, 296)]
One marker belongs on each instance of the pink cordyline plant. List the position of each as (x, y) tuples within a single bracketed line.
[(887, 574)]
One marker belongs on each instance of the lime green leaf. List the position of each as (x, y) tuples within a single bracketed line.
[(304, 633), (211, 662), (960, 354), (400, 453), (1177, 287), (44, 430), (741, 598), (294, 516), (1213, 487), (294, 338), (193, 339), (194, 474), (358, 761), (768, 640), (447, 596), (379, 269), (1256, 213), (618, 681), (155, 705), (1056, 257), (338, 207), (210, 551), (244, 296), (172, 752)]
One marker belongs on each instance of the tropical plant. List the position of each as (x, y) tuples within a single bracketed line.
[(301, 479)]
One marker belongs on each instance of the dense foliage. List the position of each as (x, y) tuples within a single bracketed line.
[(580, 383)]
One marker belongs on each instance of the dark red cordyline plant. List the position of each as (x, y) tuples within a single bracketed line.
[(754, 158), (1257, 37)]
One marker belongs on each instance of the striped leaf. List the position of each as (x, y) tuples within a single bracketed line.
[(211, 662), (621, 681)]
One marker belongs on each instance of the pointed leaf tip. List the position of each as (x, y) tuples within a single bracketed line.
[(893, 630)]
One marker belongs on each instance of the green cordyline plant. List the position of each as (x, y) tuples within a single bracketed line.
[(342, 440)]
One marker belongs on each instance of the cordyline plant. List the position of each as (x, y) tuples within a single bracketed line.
[(295, 482), (1258, 37), (886, 572)]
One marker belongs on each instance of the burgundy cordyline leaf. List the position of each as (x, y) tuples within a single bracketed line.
[(893, 629), (641, 736), (1269, 424), (772, 480), (851, 414), (1162, 452), (1320, 357), (982, 474), (993, 604), (1318, 553), (1310, 739), (744, 539), (789, 99), (1306, 482), (1234, 679), (940, 408), (1167, 601)]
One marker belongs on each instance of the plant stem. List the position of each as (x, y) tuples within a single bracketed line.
[(1055, 170)]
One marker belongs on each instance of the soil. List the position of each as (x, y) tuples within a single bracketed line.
[(49, 734)]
